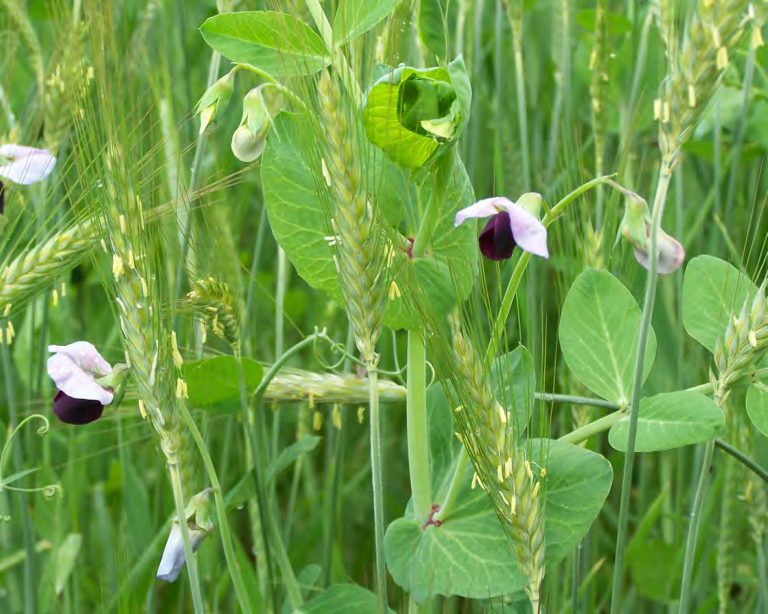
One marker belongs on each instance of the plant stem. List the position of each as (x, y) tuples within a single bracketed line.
[(221, 509), (575, 400), (378, 486), (745, 460), (665, 174), (690, 543), (593, 428), (517, 274), (455, 485), (189, 555), (21, 499), (516, 22), (418, 448)]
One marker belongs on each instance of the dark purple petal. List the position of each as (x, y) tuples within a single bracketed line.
[(496, 240), (76, 411)]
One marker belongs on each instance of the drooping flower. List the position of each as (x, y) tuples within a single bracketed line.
[(215, 98), (511, 224), (636, 228), (260, 105), (75, 369), (25, 165), (199, 524)]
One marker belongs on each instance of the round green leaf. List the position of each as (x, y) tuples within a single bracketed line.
[(356, 17), (598, 335), (670, 420), (712, 291), (757, 407), (341, 599), (211, 381), (470, 554), (275, 42)]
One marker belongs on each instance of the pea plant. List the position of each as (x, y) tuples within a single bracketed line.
[(277, 364)]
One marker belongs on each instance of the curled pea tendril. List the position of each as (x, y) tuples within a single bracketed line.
[(48, 491)]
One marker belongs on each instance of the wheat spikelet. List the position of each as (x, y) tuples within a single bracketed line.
[(713, 34), (504, 471), (218, 308), (291, 385), (361, 279), (20, 19), (38, 267)]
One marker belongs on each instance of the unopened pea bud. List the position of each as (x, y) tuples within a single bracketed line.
[(260, 105), (215, 98)]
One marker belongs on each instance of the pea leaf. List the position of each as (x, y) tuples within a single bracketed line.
[(342, 599), (469, 554), (356, 17), (712, 290), (300, 208), (211, 381), (598, 335), (277, 43), (757, 407), (670, 420), (66, 556)]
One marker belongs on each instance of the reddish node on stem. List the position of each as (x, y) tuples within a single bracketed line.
[(431, 518)]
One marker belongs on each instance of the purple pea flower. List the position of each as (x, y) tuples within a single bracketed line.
[(511, 225), (74, 368), (25, 165)]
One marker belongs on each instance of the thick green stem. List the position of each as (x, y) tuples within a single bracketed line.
[(522, 115), (189, 555), (378, 486), (593, 428), (665, 174), (693, 528), (517, 274), (221, 509), (455, 486), (418, 448), (551, 397)]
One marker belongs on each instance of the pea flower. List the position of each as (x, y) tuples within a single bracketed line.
[(636, 228), (260, 105), (215, 97), (83, 379), (199, 525), (511, 224), (25, 165)]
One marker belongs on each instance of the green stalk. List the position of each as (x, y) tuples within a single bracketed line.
[(593, 428), (418, 447), (189, 555), (21, 499), (516, 22), (574, 399), (517, 274), (690, 543), (378, 486), (221, 509), (665, 174), (455, 486)]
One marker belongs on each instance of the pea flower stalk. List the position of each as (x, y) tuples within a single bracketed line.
[(512, 224), (85, 381)]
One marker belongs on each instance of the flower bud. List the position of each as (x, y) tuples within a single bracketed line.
[(636, 228), (199, 525), (217, 96), (259, 106)]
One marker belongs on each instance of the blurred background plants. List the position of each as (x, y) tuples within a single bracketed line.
[(562, 92)]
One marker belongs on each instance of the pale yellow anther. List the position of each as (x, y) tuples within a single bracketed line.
[(127, 359), (752, 338), (502, 414), (757, 38), (7, 310), (360, 414), (475, 481), (177, 358), (657, 109), (104, 246), (691, 96), (117, 266), (500, 473), (181, 389), (122, 223), (131, 261), (528, 470), (543, 472), (10, 332), (144, 288), (336, 417), (63, 289), (513, 505), (459, 409), (508, 467), (460, 438), (665, 112), (722, 58), (326, 174), (317, 420), (142, 409), (311, 399), (394, 291), (535, 490), (55, 297)]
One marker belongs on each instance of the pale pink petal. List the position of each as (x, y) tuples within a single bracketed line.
[(26, 164), (529, 233), (74, 381), (671, 254), (482, 208), (85, 355)]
